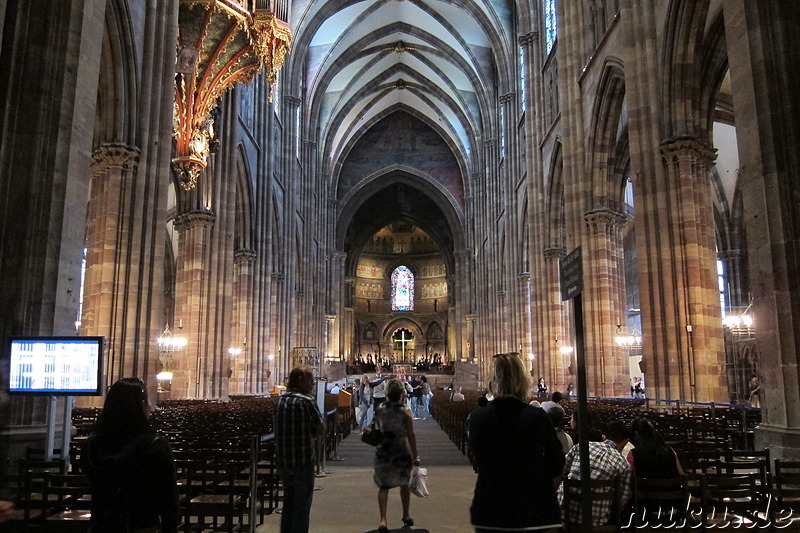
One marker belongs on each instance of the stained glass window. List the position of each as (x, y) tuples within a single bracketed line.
[(549, 12), (402, 289)]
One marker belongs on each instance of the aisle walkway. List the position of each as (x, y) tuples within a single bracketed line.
[(347, 501)]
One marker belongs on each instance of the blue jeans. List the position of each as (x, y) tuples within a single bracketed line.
[(426, 403), (366, 415), (298, 490)]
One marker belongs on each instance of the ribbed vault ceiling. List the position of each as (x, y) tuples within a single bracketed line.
[(361, 59)]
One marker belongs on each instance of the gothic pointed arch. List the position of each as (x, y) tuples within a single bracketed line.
[(683, 45), (556, 229), (608, 130)]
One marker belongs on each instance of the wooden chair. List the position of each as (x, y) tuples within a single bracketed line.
[(214, 503), (730, 501), (698, 461), (748, 465), (603, 492), (28, 511), (785, 507), (69, 502), (660, 503)]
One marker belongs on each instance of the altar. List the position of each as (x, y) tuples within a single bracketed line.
[(402, 368)]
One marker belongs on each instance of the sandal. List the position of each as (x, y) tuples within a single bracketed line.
[(408, 522), (383, 529)]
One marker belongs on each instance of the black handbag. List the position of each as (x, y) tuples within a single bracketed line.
[(372, 436)]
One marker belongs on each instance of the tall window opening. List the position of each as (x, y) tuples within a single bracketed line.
[(549, 13), (522, 89), (721, 285), (297, 131), (80, 291), (402, 289), (502, 131)]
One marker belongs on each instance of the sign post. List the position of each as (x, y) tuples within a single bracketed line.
[(571, 280)]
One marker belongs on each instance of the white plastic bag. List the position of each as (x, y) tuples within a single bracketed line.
[(419, 482)]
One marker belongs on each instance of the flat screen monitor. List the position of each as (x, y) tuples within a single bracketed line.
[(66, 366)]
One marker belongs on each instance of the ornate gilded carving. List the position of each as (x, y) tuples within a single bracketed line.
[(220, 43), (271, 40)]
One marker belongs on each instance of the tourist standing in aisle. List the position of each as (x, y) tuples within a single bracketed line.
[(297, 424), (517, 456), (365, 402), (397, 453), (426, 396)]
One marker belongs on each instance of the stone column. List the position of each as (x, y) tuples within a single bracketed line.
[(604, 304), (344, 333), (525, 346), (109, 253), (244, 366), (278, 325), (551, 362), (469, 348), (765, 100), (460, 303), (683, 347), (193, 269)]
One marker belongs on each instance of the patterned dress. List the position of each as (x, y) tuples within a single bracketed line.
[(393, 455)]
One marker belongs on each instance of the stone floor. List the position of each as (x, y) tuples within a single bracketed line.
[(346, 501)]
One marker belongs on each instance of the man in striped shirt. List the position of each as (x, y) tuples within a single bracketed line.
[(297, 423)]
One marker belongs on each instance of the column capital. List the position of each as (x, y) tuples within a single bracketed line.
[(278, 276), (350, 280), (604, 217), (330, 318), (554, 252), (528, 38), (461, 255), (244, 256), (115, 154), (729, 254), (471, 317), (505, 98), (293, 101), (194, 219), (523, 278), (687, 147), (339, 256)]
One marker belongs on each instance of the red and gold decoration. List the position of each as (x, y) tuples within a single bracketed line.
[(220, 43)]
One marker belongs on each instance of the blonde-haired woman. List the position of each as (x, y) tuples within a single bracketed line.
[(397, 453), (517, 454)]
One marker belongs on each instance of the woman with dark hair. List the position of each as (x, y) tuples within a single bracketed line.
[(517, 456), (651, 457), (397, 453), (132, 470)]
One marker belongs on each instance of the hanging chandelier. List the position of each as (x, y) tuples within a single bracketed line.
[(220, 43)]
